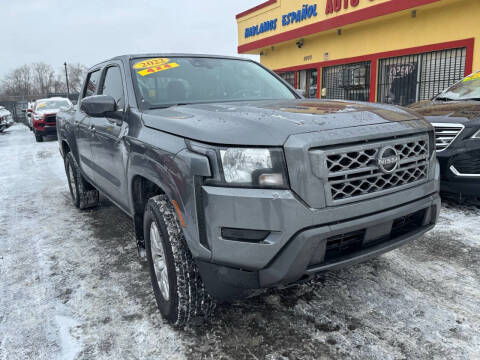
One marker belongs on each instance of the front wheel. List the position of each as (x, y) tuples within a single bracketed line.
[(38, 137), (84, 195), (177, 285)]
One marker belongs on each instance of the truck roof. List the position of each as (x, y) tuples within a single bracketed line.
[(129, 57), (51, 98)]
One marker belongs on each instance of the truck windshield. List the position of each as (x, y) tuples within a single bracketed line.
[(467, 89), (163, 82), (53, 104)]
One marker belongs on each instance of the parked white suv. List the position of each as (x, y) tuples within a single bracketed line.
[(6, 119)]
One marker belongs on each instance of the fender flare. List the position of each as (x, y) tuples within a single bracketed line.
[(173, 175)]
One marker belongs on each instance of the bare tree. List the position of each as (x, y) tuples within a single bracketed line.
[(76, 75), (59, 85), (39, 79), (19, 82), (43, 77)]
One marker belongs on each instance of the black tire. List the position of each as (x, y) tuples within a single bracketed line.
[(38, 137), (187, 300), (84, 195)]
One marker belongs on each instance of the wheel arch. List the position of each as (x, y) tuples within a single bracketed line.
[(64, 147), (173, 176), (146, 181)]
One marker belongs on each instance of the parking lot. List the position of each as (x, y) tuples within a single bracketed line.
[(73, 286)]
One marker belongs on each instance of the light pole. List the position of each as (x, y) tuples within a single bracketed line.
[(66, 76)]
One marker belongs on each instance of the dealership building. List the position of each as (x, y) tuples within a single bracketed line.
[(389, 51)]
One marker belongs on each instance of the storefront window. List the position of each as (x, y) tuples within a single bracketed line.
[(347, 82), (288, 77), (408, 79)]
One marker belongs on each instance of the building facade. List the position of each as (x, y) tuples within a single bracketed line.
[(389, 51)]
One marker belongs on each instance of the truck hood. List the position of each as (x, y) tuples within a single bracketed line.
[(268, 123), (48, 112), (448, 112)]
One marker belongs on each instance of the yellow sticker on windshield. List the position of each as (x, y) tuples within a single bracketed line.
[(144, 64), (41, 105), (472, 77), (158, 68)]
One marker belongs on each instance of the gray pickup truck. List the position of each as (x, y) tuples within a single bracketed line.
[(235, 183)]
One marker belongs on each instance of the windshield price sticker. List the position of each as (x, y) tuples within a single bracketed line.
[(155, 69), (144, 64), (472, 77)]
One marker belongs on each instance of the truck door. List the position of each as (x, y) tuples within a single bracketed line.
[(82, 128), (108, 147)]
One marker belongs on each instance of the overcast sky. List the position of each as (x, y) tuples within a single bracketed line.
[(86, 31)]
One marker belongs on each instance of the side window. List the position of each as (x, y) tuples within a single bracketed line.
[(92, 83), (112, 85)]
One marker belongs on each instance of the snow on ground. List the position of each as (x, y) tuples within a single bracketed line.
[(73, 287)]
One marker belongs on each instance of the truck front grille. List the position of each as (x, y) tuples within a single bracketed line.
[(343, 244), (355, 172), (346, 244), (445, 134), (51, 118)]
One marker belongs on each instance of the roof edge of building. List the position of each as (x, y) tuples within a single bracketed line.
[(255, 8), (368, 13)]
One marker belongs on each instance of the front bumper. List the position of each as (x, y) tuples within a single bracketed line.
[(301, 238), (460, 168), (47, 129)]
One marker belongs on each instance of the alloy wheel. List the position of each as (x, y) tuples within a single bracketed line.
[(159, 263), (71, 180)]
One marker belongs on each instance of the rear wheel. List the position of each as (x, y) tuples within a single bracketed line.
[(177, 285), (84, 195), (38, 137)]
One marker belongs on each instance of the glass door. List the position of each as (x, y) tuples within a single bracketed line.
[(307, 83)]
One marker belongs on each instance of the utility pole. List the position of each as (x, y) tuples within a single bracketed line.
[(66, 76)]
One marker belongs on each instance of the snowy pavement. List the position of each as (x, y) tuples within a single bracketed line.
[(73, 287)]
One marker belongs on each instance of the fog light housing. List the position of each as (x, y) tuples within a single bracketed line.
[(245, 235)]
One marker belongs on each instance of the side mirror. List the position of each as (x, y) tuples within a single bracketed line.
[(98, 105)]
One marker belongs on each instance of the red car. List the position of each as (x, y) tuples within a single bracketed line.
[(44, 116)]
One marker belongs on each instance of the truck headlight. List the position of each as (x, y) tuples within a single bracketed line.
[(38, 117), (254, 167), (245, 167)]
